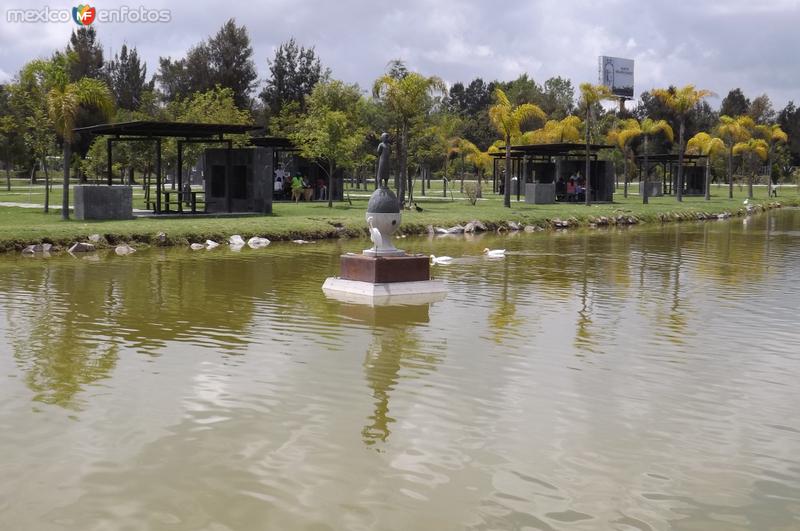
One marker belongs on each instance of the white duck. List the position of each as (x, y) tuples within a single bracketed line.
[(236, 241), (197, 246), (257, 242), (441, 260), (210, 244), (495, 253)]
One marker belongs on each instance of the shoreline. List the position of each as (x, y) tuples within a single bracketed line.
[(333, 227)]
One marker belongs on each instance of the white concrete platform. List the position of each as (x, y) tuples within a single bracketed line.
[(386, 293)]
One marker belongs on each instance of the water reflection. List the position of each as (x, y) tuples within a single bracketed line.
[(396, 345), (621, 379)]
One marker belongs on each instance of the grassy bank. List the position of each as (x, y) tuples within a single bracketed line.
[(20, 227)]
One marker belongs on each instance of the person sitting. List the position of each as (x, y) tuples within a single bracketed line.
[(571, 190), (308, 190), (322, 190)]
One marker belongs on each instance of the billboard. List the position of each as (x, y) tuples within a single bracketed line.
[(617, 74)]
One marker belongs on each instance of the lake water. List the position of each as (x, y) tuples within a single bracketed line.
[(640, 379)]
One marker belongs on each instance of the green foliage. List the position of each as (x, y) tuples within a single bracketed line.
[(294, 71), (332, 129), (127, 78), (226, 59), (735, 104)]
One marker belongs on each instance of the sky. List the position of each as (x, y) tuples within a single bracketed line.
[(716, 45)]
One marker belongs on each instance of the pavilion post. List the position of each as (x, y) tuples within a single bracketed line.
[(180, 176), (228, 176), (108, 162), (494, 175), (158, 176)]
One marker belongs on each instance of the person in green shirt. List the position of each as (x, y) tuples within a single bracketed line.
[(297, 188)]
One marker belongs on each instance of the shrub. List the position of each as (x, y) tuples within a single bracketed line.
[(471, 191)]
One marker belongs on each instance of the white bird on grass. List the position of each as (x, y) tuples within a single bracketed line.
[(211, 244), (441, 260), (257, 242), (495, 253), (236, 240)]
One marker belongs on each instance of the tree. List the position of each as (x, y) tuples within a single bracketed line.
[(558, 98), (751, 150), (86, 55), (8, 127), (408, 98), (232, 63), (761, 110), (447, 129), (591, 95), (224, 59), (64, 101), (294, 71), (681, 102), (773, 135), (30, 97), (733, 131), (481, 160), (127, 78), (554, 131), (332, 130), (623, 136), (507, 121), (708, 146), (789, 120), (649, 129), (734, 104)]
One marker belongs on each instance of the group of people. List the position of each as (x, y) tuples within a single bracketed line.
[(574, 189), (298, 185)]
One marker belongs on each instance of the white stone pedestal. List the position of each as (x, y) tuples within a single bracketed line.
[(380, 294)]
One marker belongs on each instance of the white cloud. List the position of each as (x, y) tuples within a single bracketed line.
[(713, 45)]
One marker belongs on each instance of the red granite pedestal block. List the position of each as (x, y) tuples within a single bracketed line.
[(383, 269)]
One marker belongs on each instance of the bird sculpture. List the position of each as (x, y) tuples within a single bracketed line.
[(375, 236), (441, 260), (495, 253)]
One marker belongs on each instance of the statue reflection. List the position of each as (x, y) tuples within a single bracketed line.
[(396, 345)]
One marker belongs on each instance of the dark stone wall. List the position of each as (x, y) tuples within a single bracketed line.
[(245, 186), (103, 202)]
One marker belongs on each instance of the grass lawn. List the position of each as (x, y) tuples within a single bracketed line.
[(22, 226)]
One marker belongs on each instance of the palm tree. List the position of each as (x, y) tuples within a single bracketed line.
[(408, 96), (481, 160), (773, 135), (554, 131), (64, 102), (622, 136), (733, 131), (706, 145), (681, 102), (591, 95), (508, 120), (650, 128), (749, 149)]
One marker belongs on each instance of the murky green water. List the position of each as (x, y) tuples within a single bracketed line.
[(639, 379)]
